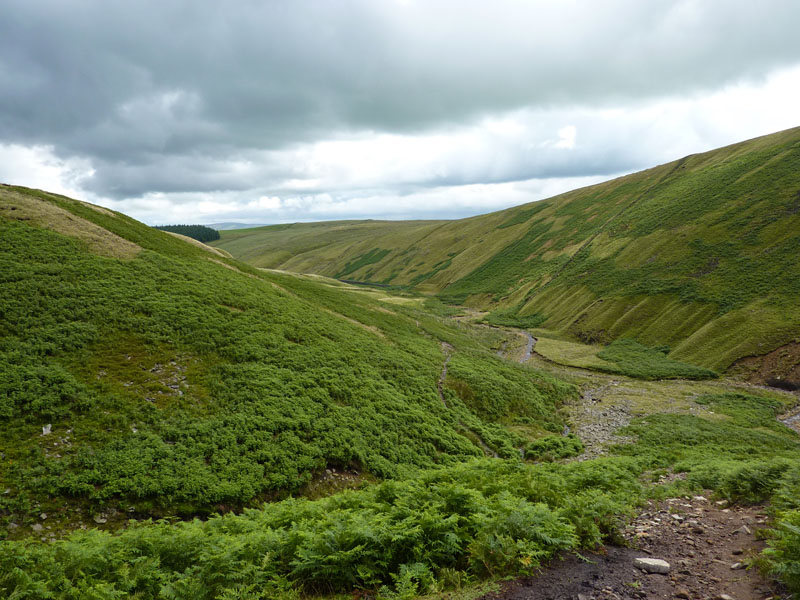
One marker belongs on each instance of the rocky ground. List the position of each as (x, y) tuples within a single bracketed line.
[(707, 545), (595, 421)]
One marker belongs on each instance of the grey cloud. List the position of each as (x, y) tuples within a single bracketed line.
[(161, 94)]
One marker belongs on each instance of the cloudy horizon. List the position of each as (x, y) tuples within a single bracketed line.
[(279, 112)]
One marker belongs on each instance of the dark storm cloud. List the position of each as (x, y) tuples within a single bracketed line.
[(179, 95)]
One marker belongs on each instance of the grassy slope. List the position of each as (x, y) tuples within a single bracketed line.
[(176, 381), (698, 254), (172, 376), (444, 528), (316, 247)]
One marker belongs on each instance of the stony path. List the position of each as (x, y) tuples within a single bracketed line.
[(596, 422), (792, 419), (707, 546)]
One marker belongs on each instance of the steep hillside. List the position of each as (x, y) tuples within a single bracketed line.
[(141, 374), (699, 254)]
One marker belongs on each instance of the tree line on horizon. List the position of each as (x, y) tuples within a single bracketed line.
[(201, 233)]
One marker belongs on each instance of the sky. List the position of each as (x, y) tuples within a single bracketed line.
[(177, 111)]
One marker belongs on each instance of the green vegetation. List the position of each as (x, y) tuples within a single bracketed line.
[(635, 360), (498, 391), (404, 538), (299, 246), (439, 308), (698, 254), (554, 447), (782, 558), (436, 530), (143, 376), (510, 317), (174, 381), (713, 444), (201, 233), (371, 257), (521, 216), (622, 356)]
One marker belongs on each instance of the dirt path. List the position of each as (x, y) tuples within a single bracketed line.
[(507, 349), (706, 545)]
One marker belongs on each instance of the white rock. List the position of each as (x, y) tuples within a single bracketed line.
[(652, 565)]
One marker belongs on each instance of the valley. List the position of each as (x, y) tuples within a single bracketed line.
[(188, 421), (697, 256)]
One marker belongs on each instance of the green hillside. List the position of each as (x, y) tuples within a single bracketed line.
[(699, 255), (308, 438), (144, 375), (319, 247)]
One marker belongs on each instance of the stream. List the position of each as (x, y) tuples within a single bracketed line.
[(792, 420), (528, 347)]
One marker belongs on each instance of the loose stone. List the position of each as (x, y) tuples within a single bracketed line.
[(652, 565)]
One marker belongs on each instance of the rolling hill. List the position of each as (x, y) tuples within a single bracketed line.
[(143, 374), (307, 438), (699, 255)]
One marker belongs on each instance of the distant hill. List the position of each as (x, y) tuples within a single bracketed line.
[(699, 254), (228, 226), (321, 247)]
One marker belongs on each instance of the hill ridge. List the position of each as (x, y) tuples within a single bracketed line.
[(695, 253)]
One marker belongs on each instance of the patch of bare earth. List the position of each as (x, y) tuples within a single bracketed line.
[(33, 210), (782, 364), (708, 547)]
